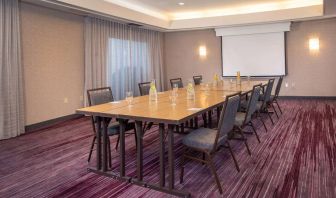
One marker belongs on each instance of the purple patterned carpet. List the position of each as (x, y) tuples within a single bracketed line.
[(296, 158)]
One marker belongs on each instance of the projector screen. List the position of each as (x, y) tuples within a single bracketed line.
[(261, 54)]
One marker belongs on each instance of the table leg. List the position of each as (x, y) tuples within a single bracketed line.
[(205, 120), (98, 135), (104, 144), (196, 122), (162, 155), (139, 132), (171, 163), (210, 119), (122, 146)]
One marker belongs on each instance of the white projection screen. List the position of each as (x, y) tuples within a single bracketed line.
[(254, 55)]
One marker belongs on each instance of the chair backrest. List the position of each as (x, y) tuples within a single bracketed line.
[(176, 81), (227, 117), (268, 92), (99, 96), (278, 87), (96, 97), (252, 103), (197, 79), (144, 88)]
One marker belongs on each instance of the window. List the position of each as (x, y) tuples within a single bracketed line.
[(127, 65)]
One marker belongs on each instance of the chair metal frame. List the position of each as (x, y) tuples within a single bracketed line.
[(276, 95), (147, 125), (140, 87), (250, 123), (266, 102), (94, 125), (174, 80), (196, 78), (208, 155), (204, 116)]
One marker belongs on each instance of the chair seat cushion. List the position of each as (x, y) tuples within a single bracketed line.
[(202, 138), (240, 117), (243, 104), (259, 104), (261, 97), (114, 128)]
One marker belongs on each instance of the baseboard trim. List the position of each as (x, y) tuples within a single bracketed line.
[(49, 123), (309, 97)]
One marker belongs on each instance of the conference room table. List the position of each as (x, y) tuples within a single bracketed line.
[(168, 116)]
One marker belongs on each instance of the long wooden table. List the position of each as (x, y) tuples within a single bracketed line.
[(162, 112)]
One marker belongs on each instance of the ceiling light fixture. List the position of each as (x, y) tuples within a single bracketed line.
[(181, 3)]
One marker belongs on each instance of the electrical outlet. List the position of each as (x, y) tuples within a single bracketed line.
[(293, 84), (65, 100), (286, 84)]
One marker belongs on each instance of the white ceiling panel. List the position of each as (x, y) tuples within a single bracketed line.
[(169, 15)]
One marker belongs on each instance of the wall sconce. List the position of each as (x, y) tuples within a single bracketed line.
[(202, 51), (314, 44)]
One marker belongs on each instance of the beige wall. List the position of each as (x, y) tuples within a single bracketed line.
[(313, 74), (330, 7), (53, 62), (308, 74), (181, 54)]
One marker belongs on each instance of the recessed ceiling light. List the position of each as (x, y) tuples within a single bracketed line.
[(181, 3)]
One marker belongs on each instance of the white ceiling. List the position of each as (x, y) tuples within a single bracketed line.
[(168, 15), (171, 6), (171, 10)]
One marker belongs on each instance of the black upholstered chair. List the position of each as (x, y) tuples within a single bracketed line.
[(197, 79), (274, 98), (144, 88), (101, 96), (265, 101), (208, 141), (245, 118), (179, 83), (176, 81)]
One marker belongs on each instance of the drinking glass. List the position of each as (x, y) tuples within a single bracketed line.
[(207, 89), (175, 87), (231, 82), (129, 98), (173, 96)]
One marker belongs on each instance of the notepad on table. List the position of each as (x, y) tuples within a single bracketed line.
[(194, 109)]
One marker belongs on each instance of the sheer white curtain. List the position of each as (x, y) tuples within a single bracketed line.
[(11, 89), (121, 56)]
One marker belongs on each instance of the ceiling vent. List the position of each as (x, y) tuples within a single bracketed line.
[(134, 25)]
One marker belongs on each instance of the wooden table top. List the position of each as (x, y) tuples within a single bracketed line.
[(162, 111)]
